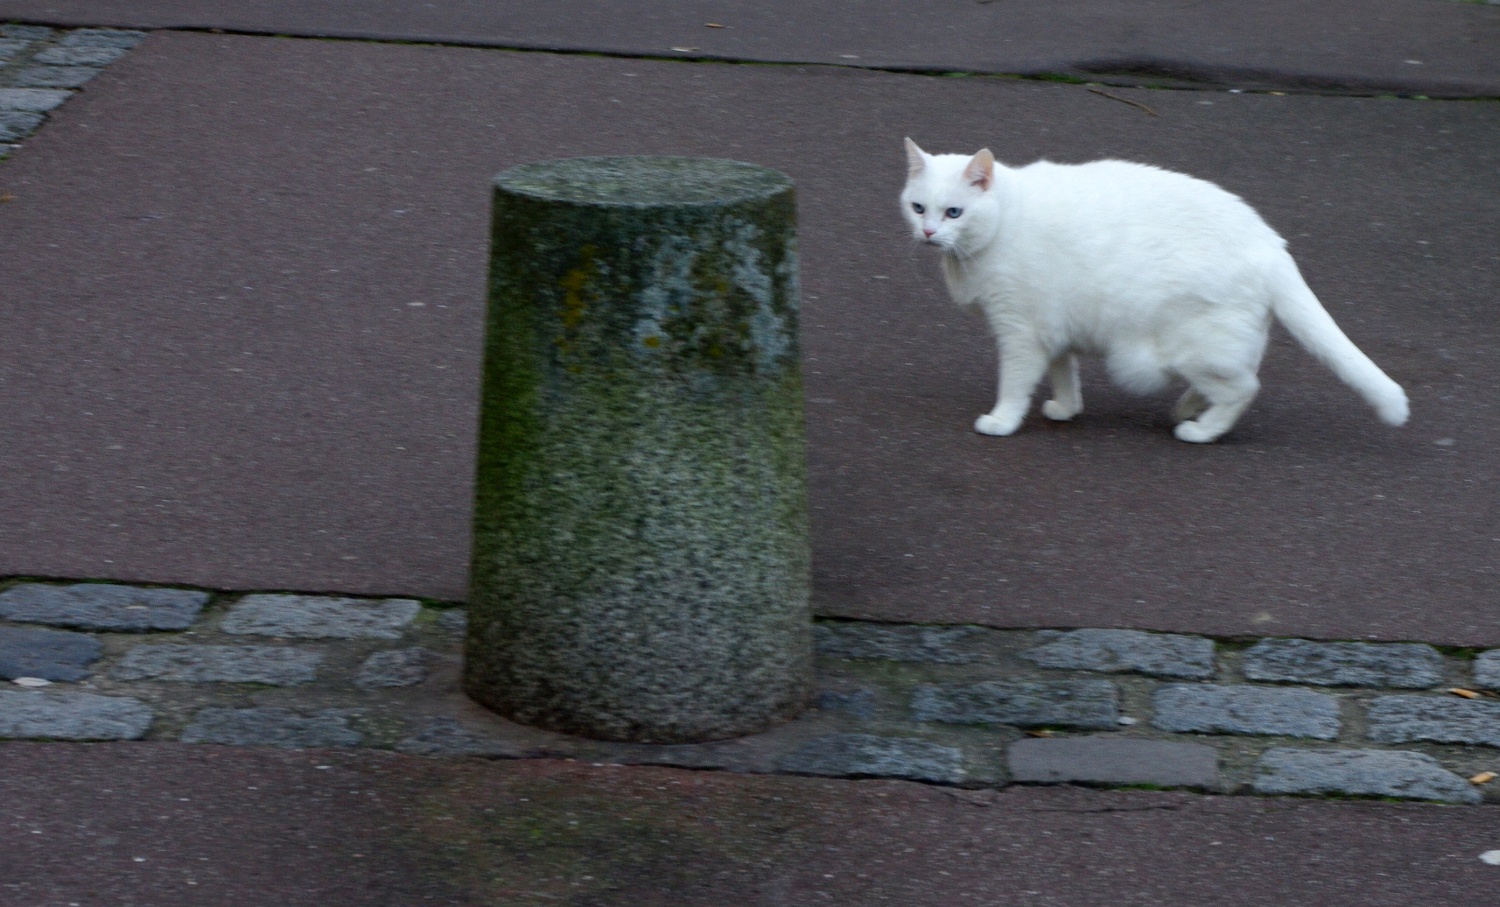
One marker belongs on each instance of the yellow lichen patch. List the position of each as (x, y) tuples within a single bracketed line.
[(574, 305)]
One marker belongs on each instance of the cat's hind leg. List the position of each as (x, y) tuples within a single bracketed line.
[(1227, 395), (1067, 395), (1022, 365), (1189, 405)]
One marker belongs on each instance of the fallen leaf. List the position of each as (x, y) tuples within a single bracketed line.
[(31, 682), (1482, 778), (1460, 691), (713, 25), (6, 197)]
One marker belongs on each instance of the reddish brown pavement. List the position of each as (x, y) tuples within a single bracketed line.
[(173, 824), (1435, 47), (244, 277)]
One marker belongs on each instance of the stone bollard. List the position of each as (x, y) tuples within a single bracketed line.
[(641, 566)]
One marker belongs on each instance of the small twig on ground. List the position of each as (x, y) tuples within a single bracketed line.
[(1115, 97)]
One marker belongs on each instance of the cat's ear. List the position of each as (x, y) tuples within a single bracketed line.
[(981, 169), (916, 158)]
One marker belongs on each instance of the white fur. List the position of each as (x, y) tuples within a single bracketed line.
[(1165, 276)]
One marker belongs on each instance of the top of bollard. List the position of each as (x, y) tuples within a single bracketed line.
[(643, 181)]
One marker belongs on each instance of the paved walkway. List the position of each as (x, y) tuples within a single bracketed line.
[(251, 274), (1434, 47), (172, 825), (248, 274)]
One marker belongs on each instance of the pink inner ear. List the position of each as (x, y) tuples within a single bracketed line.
[(981, 169)]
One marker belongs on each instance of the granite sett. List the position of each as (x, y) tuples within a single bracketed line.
[(1064, 703), (1354, 664), (270, 727), (394, 668), (319, 617), (1403, 719), (914, 643), (1110, 759), (55, 76), (1374, 773), (1155, 654), (32, 100), (1215, 709), (275, 665), (868, 754), (72, 715), (47, 654), (1487, 670), (102, 606)]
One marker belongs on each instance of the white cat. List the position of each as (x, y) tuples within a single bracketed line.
[(1164, 275)]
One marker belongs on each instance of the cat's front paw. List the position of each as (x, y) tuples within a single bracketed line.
[(995, 425)]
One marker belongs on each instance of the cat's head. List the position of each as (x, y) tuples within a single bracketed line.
[(949, 199)]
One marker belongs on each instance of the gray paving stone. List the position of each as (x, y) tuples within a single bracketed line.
[(16, 125), (276, 665), (48, 654), (394, 668), (445, 737), (856, 704), (72, 715), (101, 606), (1063, 703), (102, 37), (1352, 664), (921, 644), (1110, 759), (26, 32), (33, 100), (9, 49), (55, 76), (79, 56), (846, 755), (1402, 719), (1156, 654), (1212, 709), (1487, 670), (270, 727), (315, 616), (1371, 773)]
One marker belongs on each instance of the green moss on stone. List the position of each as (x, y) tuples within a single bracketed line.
[(641, 565)]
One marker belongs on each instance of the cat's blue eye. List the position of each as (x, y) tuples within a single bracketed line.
[(953, 213), (919, 208)]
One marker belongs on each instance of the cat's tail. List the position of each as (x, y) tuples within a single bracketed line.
[(1304, 316)]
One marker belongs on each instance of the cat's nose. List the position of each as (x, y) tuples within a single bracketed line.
[(928, 231)]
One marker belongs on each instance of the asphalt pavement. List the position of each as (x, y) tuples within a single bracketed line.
[(244, 275), (250, 276)]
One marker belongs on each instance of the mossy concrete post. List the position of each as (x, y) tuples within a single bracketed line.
[(641, 561)]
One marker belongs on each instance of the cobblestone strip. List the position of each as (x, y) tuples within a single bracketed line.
[(967, 706), (42, 67)]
